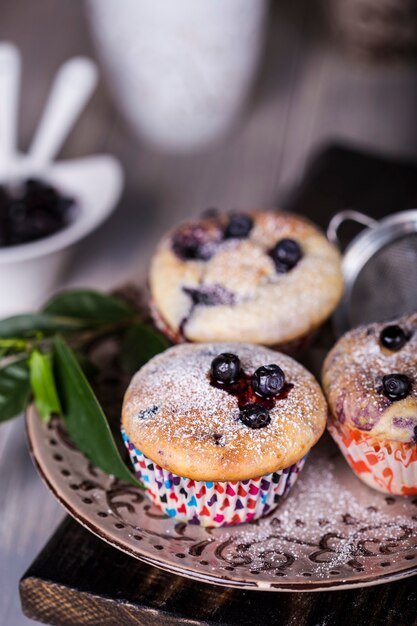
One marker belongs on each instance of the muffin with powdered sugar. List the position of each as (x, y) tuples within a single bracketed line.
[(218, 433), (370, 379), (264, 277)]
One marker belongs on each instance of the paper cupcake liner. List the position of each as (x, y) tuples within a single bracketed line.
[(211, 503), (389, 466)]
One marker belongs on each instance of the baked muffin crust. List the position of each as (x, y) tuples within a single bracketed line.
[(177, 418), (241, 295), (353, 381)]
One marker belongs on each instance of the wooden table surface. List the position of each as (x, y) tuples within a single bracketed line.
[(308, 93)]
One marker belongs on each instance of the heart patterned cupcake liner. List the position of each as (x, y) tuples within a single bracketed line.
[(388, 466), (211, 503)]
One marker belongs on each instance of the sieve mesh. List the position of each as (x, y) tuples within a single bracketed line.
[(386, 287)]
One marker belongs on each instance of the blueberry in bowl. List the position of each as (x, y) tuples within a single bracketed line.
[(31, 211), (35, 252)]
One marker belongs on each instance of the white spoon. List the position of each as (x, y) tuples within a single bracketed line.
[(30, 272), (9, 95), (72, 88)]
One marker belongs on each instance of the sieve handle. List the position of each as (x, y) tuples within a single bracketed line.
[(348, 215)]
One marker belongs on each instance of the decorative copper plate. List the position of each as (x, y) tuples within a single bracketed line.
[(331, 532)]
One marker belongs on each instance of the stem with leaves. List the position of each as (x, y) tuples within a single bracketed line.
[(40, 356)]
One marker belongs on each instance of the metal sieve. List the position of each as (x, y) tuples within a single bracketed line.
[(379, 267)]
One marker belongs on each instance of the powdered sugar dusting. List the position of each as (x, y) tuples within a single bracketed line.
[(201, 424), (289, 304), (340, 528), (352, 378), (331, 530)]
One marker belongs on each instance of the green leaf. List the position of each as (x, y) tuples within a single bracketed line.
[(87, 425), (14, 389), (90, 306), (43, 385), (8, 346), (140, 344), (31, 325)]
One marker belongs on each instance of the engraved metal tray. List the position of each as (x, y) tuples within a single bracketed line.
[(331, 532)]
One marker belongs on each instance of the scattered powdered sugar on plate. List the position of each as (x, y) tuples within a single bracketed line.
[(336, 527), (331, 532)]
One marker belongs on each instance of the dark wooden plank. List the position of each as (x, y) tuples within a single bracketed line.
[(79, 579)]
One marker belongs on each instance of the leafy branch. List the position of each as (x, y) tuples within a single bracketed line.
[(42, 357)]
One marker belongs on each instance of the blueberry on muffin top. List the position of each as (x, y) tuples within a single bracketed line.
[(194, 410), (264, 277), (370, 379)]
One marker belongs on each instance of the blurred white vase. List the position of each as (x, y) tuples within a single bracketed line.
[(180, 69)]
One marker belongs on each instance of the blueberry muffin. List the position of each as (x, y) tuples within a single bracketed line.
[(263, 277), (370, 379), (219, 432)]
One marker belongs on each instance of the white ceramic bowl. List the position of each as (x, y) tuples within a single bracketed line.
[(30, 272)]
